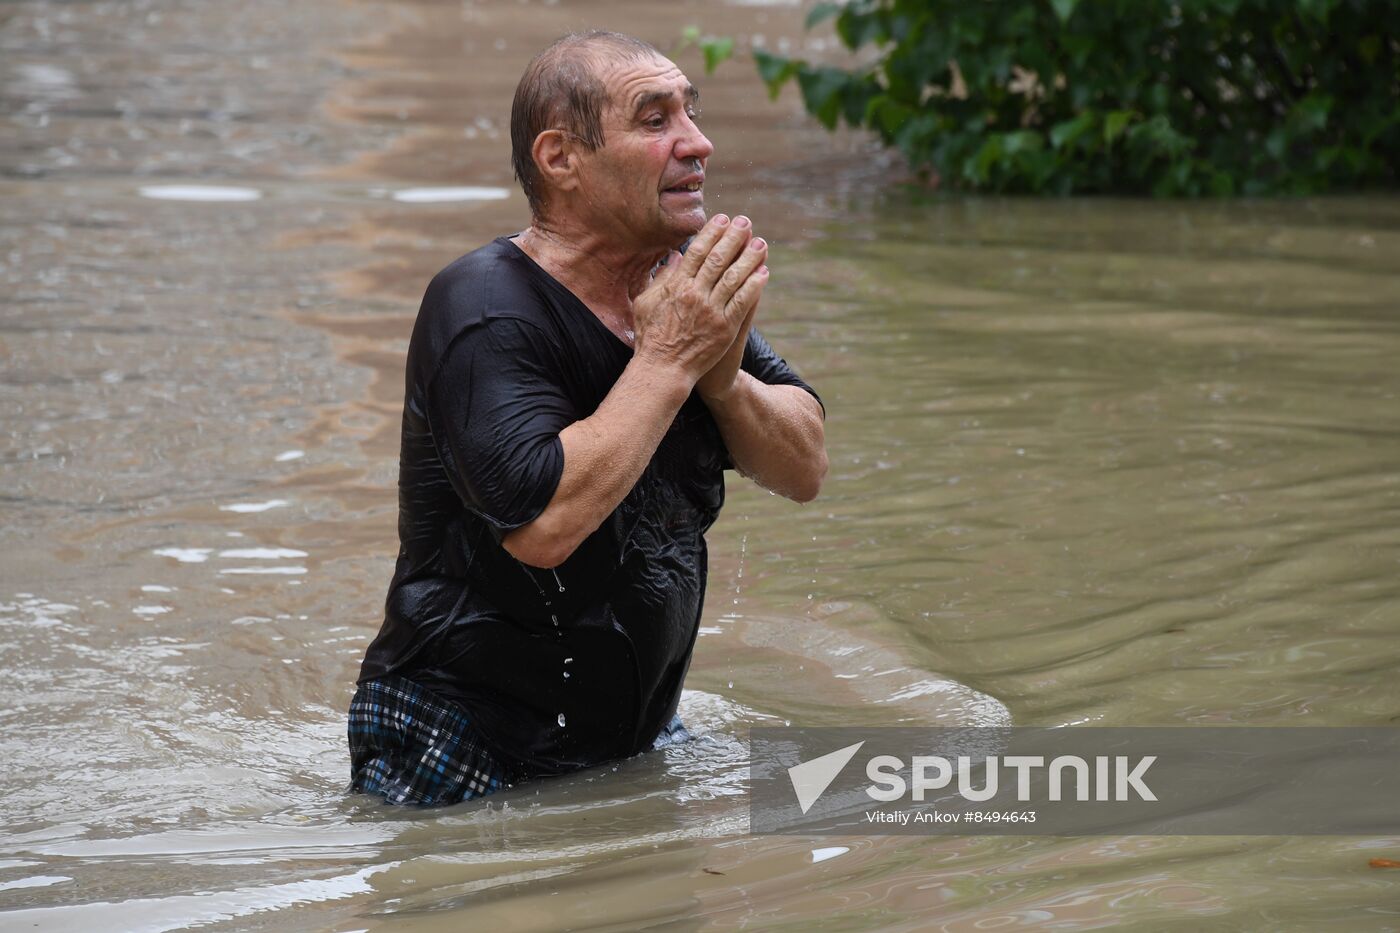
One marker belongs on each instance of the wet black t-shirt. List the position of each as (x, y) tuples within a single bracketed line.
[(559, 669)]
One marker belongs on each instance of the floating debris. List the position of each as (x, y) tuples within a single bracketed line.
[(185, 555), (262, 553), (212, 193), (821, 855), (254, 506), (441, 195)]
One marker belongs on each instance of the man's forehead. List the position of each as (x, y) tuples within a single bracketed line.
[(633, 83)]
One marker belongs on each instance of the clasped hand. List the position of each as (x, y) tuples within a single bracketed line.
[(697, 311)]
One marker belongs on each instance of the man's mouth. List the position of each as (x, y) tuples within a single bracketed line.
[(690, 185)]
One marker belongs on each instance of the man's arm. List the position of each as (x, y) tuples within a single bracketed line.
[(604, 455), (774, 434), (685, 321)]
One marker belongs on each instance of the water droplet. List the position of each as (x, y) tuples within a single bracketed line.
[(731, 685), (561, 719), (566, 675)]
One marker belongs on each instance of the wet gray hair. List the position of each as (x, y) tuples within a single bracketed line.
[(561, 90)]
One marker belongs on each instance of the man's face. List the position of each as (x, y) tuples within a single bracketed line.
[(644, 184)]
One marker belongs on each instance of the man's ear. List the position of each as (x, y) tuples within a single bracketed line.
[(556, 157)]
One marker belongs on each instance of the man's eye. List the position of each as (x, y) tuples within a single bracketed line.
[(656, 122)]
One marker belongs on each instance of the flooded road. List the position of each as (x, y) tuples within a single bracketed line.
[(1093, 462)]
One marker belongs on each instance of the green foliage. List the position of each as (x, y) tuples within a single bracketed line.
[(1191, 97), (716, 49)]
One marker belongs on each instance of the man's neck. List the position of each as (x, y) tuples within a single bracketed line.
[(604, 277)]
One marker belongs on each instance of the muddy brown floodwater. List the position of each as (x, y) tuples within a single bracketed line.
[(1093, 462)]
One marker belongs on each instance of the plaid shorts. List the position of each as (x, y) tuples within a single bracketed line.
[(411, 747)]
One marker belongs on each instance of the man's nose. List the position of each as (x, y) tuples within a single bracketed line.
[(695, 144)]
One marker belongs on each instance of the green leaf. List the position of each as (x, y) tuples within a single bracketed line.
[(1316, 9), (1064, 9), (821, 93), (1157, 137), (857, 28), (888, 115), (775, 70), (905, 79), (1310, 114), (1114, 123), (979, 168), (1369, 48), (1021, 141), (1158, 97), (1066, 133), (1221, 185), (855, 99), (821, 11), (716, 50)]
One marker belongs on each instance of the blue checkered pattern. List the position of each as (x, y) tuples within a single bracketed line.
[(411, 747)]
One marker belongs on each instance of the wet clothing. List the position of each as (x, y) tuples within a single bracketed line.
[(412, 747), (556, 670)]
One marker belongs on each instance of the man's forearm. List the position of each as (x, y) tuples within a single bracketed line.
[(604, 455), (775, 436)]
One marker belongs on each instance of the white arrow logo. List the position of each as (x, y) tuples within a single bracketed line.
[(810, 779)]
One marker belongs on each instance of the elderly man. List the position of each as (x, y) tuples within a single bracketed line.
[(573, 395)]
